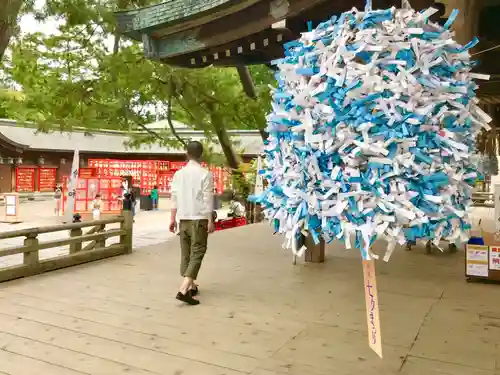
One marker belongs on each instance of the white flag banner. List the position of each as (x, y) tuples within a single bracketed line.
[(259, 181), (72, 184)]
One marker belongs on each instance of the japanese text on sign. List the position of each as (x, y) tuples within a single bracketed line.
[(372, 307)]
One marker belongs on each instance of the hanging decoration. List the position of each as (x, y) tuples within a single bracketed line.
[(372, 132)]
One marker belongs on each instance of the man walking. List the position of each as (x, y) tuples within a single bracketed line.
[(192, 197)]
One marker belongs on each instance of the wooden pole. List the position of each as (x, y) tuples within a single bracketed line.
[(75, 247), (315, 253), (102, 242), (31, 259), (127, 225)]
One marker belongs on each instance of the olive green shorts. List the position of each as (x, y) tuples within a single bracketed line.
[(194, 235)]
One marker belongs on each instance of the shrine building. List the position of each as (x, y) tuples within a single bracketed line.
[(32, 161)]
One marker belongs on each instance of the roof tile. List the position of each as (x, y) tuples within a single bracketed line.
[(101, 142), (164, 13)]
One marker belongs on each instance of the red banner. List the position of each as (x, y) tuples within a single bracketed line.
[(47, 179), (165, 182), (163, 166), (143, 172), (148, 173), (176, 165), (25, 180), (86, 172), (109, 188)]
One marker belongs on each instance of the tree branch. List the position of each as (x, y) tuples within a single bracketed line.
[(150, 132), (187, 110), (138, 123), (169, 113)]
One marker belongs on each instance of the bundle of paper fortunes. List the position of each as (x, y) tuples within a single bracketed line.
[(372, 133)]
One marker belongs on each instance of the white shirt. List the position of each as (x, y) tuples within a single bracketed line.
[(192, 192), (237, 209)]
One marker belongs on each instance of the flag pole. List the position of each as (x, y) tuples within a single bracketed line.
[(72, 184)]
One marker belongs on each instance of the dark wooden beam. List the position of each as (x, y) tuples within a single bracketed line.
[(259, 48), (249, 48), (237, 26)]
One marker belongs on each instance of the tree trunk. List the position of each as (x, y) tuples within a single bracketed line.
[(225, 141), (231, 158), (249, 88), (247, 81), (116, 43), (9, 10)]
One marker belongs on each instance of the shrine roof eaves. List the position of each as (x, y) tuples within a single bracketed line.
[(131, 22), (27, 138)]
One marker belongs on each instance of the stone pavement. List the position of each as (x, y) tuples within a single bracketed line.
[(259, 315)]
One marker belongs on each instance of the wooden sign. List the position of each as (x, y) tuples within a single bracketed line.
[(372, 307), (12, 208)]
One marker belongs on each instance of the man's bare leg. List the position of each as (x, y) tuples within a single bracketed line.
[(194, 288), (187, 285)]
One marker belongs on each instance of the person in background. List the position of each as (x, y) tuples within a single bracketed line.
[(154, 197), (132, 196), (236, 209), (129, 201), (96, 207), (192, 198), (124, 187), (217, 200), (57, 198), (217, 205)]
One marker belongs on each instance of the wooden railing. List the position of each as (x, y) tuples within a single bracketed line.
[(96, 248)]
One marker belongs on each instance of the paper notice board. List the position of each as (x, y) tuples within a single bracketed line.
[(11, 208), (476, 260)]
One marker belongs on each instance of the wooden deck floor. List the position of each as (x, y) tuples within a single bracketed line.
[(259, 315)]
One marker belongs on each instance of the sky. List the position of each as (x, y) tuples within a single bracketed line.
[(30, 25)]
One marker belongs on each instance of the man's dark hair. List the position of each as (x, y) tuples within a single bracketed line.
[(194, 150)]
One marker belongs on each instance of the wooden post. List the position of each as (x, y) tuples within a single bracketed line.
[(75, 247), (314, 253), (249, 212), (31, 259), (101, 243), (127, 225), (258, 213)]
